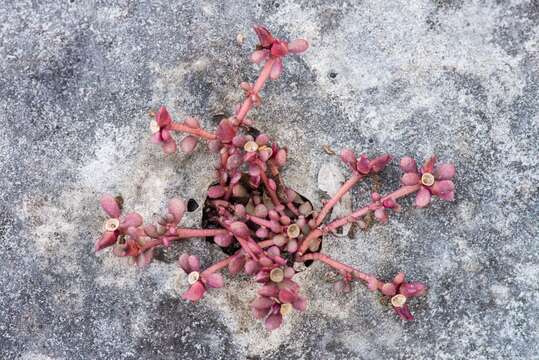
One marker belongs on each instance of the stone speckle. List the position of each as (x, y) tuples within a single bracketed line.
[(459, 78)]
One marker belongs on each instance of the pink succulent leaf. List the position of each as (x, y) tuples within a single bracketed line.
[(273, 321), (233, 162), (170, 146), (215, 280), (269, 291), (144, 258), (349, 158), (163, 117), (262, 302), (165, 135), (389, 203), (260, 313), (289, 272), (151, 230), (264, 36), (449, 196), (287, 296), (225, 131), (240, 229), (192, 123), (176, 207), (276, 69), (389, 289), (410, 178), (412, 289), (214, 146), (363, 164), (429, 164), (133, 233), (279, 48), (106, 240), (280, 157), (259, 55), (262, 277), (223, 240), (194, 263), (195, 292), (216, 192), (380, 215), (110, 206), (443, 188), (252, 267), (300, 304), (399, 278), (119, 250), (236, 264), (372, 283), (131, 220), (262, 139), (422, 197), (408, 165), (183, 262), (404, 312), (298, 46), (378, 164), (445, 172), (188, 144), (156, 138)]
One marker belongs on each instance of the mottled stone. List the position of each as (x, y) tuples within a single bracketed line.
[(458, 78)]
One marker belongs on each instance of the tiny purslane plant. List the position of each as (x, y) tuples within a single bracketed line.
[(265, 226)]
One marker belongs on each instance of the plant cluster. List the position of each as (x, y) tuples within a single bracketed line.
[(265, 226)]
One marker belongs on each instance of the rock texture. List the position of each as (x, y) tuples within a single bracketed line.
[(456, 77)]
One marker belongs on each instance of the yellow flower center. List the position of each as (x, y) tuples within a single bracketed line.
[(398, 300), (112, 224), (427, 179), (250, 146), (154, 127), (193, 277), (277, 275), (285, 309), (293, 231)]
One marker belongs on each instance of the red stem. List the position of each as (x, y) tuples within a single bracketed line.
[(224, 263), (272, 194), (201, 133), (356, 215), (338, 266), (357, 177), (183, 233), (259, 84)]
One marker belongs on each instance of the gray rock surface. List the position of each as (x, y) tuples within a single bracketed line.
[(456, 77)]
